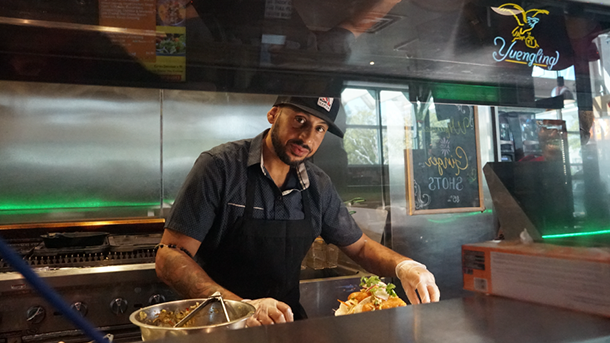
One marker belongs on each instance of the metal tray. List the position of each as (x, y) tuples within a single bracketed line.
[(73, 239), (133, 242)]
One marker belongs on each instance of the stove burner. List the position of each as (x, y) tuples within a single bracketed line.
[(116, 250), (104, 280)]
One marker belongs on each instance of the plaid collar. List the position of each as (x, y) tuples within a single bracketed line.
[(255, 156)]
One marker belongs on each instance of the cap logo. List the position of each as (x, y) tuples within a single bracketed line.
[(326, 103)]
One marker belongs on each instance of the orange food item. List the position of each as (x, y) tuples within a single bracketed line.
[(359, 296), (374, 295), (391, 303), (368, 307)]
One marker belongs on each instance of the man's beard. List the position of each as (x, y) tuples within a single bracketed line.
[(280, 149)]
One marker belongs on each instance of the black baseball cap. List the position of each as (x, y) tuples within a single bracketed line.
[(325, 108)]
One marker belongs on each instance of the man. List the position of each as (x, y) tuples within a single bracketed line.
[(249, 211)]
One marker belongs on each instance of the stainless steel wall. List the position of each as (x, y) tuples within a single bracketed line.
[(72, 152)]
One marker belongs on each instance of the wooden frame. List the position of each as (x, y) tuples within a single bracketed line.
[(417, 201)]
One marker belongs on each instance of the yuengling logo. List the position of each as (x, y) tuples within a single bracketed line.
[(526, 21)]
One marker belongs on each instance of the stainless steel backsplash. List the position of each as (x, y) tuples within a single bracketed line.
[(77, 152)]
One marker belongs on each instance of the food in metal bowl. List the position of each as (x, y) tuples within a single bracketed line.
[(168, 318), (157, 321)]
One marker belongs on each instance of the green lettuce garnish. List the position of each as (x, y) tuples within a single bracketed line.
[(370, 281), (373, 281), (390, 290)]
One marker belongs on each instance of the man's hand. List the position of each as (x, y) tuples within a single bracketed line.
[(415, 276), (269, 311)]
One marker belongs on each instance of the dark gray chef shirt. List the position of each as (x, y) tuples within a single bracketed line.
[(213, 196)]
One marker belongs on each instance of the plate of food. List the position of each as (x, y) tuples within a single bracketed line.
[(374, 295), (171, 12), (171, 44)]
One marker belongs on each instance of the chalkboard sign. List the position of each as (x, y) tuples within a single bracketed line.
[(443, 168)]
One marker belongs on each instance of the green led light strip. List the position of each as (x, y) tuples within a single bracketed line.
[(455, 216), (590, 233), (81, 204), (465, 92)]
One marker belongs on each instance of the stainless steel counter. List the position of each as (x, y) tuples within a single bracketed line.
[(472, 320)]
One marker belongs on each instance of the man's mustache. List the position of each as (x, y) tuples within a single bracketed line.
[(300, 143)]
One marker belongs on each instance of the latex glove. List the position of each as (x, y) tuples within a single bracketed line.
[(415, 276), (269, 311)]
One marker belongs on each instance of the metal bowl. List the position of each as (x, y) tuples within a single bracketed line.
[(208, 319)]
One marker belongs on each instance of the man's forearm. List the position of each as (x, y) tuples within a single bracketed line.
[(184, 275), (374, 257)]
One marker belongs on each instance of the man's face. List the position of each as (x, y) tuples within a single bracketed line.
[(551, 142), (296, 135)]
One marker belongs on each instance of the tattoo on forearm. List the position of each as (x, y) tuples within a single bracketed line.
[(186, 277)]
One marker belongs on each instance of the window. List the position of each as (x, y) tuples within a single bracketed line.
[(369, 111), (362, 135)]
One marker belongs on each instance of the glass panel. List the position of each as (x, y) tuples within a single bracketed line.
[(518, 135), (395, 112), (194, 122), (297, 47), (564, 198), (361, 139), (361, 146), (570, 115), (359, 107)]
